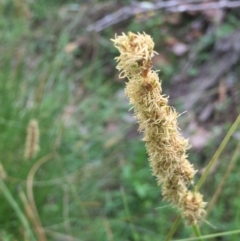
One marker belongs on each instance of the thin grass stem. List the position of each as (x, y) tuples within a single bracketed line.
[(197, 232), (17, 210), (126, 207), (217, 153), (211, 235), (29, 187), (173, 228), (223, 181)]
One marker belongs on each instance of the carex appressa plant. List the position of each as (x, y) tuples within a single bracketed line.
[(158, 121)]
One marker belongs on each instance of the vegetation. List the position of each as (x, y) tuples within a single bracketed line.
[(89, 178)]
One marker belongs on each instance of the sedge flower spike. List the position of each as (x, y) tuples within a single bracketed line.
[(158, 121), (32, 140)]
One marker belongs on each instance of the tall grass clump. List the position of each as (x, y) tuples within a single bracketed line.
[(165, 145)]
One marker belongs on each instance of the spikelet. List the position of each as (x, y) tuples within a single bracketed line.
[(32, 146), (165, 145)]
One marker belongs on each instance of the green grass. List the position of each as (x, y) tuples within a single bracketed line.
[(95, 183)]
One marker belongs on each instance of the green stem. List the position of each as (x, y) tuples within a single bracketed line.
[(173, 228), (227, 233), (17, 209), (197, 232), (223, 181), (217, 153), (126, 207)]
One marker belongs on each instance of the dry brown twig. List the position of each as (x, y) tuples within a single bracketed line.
[(170, 6)]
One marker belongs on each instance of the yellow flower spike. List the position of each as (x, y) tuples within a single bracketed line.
[(165, 145), (32, 140)]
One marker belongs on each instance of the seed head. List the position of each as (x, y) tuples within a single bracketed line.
[(32, 146), (166, 147)]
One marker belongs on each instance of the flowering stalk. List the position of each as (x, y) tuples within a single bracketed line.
[(165, 146), (32, 141)]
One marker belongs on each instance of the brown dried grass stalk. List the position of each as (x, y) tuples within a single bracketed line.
[(165, 145)]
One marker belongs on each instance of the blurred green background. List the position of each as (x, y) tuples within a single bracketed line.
[(92, 179)]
